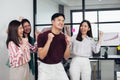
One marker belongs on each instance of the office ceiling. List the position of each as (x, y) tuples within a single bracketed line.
[(88, 2)]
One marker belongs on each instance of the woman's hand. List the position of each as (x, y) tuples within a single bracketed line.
[(20, 18), (100, 37), (36, 33), (67, 39), (67, 29), (101, 34), (24, 41)]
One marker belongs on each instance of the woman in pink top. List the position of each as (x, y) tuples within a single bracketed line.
[(19, 52)]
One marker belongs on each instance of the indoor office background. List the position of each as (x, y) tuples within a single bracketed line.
[(103, 14)]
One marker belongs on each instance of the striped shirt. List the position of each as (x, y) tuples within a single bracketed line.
[(17, 56)]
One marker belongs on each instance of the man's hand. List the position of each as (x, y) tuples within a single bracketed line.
[(50, 37)]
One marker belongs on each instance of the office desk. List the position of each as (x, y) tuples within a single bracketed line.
[(107, 66), (110, 57)]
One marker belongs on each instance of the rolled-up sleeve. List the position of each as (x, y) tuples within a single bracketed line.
[(14, 54)]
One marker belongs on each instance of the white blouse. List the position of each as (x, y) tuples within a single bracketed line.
[(85, 47)]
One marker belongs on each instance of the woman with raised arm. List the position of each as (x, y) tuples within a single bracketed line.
[(83, 45)]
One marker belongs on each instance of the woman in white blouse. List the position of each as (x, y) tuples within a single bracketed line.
[(82, 47)]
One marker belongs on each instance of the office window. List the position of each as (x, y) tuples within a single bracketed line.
[(111, 27), (109, 21), (95, 31), (75, 29), (112, 15), (77, 17), (91, 16)]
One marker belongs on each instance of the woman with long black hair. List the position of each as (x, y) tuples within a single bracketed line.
[(83, 45)]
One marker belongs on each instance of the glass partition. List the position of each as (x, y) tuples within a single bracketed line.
[(111, 15), (45, 9)]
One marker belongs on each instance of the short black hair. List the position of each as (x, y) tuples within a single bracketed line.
[(57, 15)]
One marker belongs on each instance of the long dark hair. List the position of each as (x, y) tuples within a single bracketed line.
[(24, 21), (89, 33), (13, 32), (30, 39)]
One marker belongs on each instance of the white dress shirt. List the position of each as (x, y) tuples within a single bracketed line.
[(85, 47)]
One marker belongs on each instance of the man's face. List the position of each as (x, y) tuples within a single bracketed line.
[(58, 22)]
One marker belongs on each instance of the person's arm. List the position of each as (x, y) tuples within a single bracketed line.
[(67, 51), (15, 53), (34, 48), (43, 51), (100, 38), (45, 29), (96, 47), (36, 34), (20, 18), (67, 29), (24, 43)]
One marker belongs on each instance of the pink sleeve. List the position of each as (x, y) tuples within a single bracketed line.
[(15, 53), (33, 48)]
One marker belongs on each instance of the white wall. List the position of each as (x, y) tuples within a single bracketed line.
[(45, 9), (11, 9)]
